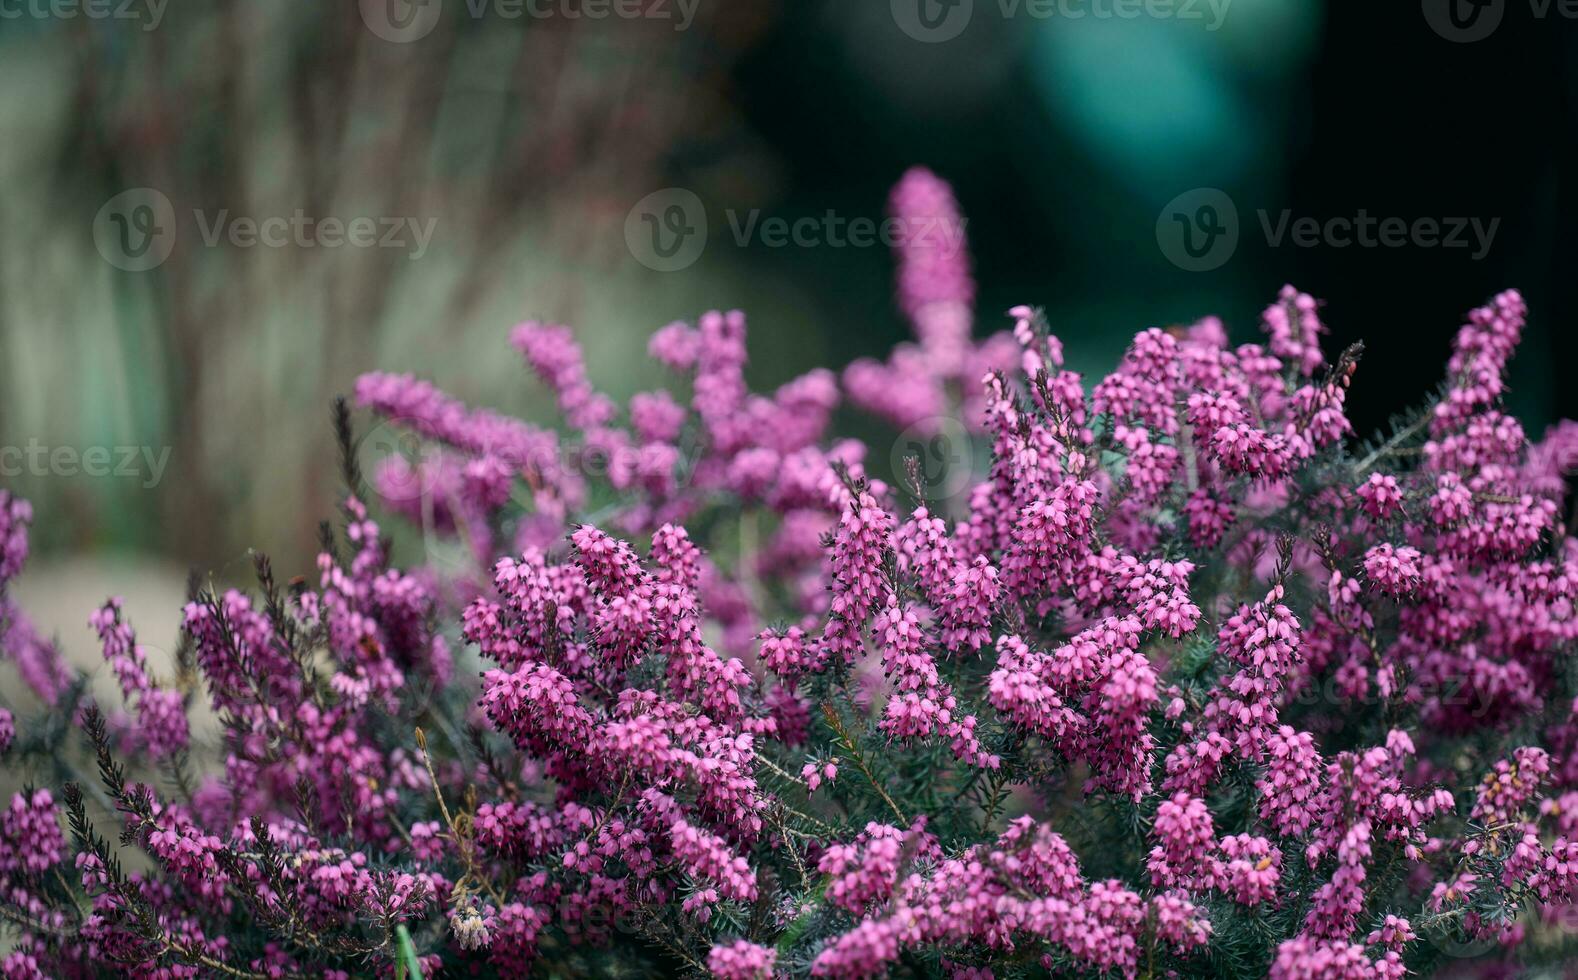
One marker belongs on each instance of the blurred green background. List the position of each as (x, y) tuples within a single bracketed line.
[(526, 140)]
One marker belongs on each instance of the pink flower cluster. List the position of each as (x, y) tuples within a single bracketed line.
[(1186, 682)]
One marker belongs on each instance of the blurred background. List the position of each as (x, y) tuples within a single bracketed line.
[(500, 147)]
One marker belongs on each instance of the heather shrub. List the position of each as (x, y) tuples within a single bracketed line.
[(1187, 681)]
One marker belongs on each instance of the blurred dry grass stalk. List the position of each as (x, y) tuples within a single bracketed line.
[(526, 141)]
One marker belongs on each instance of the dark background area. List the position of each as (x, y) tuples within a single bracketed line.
[(1381, 114)]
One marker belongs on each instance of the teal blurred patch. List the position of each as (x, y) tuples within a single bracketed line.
[(1165, 93)]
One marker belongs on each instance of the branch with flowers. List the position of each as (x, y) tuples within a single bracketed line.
[(1186, 682)]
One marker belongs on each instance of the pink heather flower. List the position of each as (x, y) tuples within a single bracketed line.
[(1293, 776), (676, 346), (15, 515), (921, 704), (790, 653), (655, 416), (1244, 450), (537, 705), (708, 858), (161, 713), (1480, 354), (864, 951), (1120, 706), (1251, 870), (1049, 529), (1508, 789), (513, 943), (913, 388), (1393, 571), (790, 714), (1179, 922), (962, 594), (1209, 519), (1394, 933), (39, 663), (1308, 958), (1158, 592), (19, 965), (422, 408), (813, 773), (860, 545), (610, 565), (1179, 554), (1294, 329), (554, 355), (1183, 855), (1022, 688), (865, 870), (30, 838), (742, 960), (1381, 495), (1193, 766), (901, 390), (934, 285)]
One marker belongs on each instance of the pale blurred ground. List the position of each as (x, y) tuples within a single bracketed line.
[(58, 596), (527, 148), (52, 592)]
